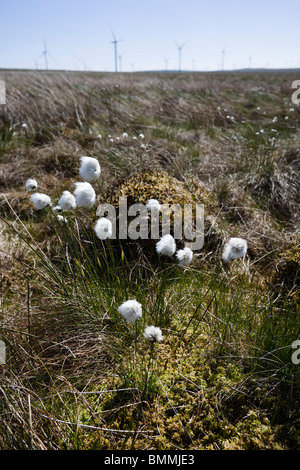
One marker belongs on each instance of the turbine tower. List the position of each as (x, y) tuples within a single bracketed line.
[(179, 55), (115, 43)]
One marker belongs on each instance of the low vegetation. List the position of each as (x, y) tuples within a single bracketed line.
[(77, 375)]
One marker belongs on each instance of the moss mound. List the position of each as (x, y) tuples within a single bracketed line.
[(140, 187)]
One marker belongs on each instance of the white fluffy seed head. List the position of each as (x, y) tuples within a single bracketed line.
[(31, 185), (131, 310), (57, 210), (62, 219), (67, 201), (153, 334), (166, 246), (85, 195), (124, 135), (40, 201), (90, 169), (103, 228), (234, 248), (184, 256), (153, 205)]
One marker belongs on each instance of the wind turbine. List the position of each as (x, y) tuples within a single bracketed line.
[(223, 56), (120, 61), (85, 67), (179, 55), (115, 43), (46, 53)]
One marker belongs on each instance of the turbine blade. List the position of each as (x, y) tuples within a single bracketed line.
[(113, 34)]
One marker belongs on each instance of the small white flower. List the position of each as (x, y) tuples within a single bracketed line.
[(99, 136), (143, 146), (124, 135), (141, 136), (274, 119), (40, 201), (67, 201), (262, 131), (234, 248), (90, 169), (111, 140), (24, 125), (31, 185), (153, 205), (292, 110), (286, 118), (103, 228), (258, 108), (85, 195), (166, 246), (184, 256), (57, 210), (273, 130), (272, 141), (62, 219), (153, 334), (257, 133), (134, 137), (131, 310)]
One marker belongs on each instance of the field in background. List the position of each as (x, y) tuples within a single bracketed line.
[(77, 376)]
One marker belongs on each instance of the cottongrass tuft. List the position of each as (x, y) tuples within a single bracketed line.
[(40, 200), (153, 334), (103, 228), (131, 310), (90, 169), (85, 195), (62, 219), (57, 210), (31, 185), (166, 246), (67, 201), (153, 205), (184, 256), (234, 248)]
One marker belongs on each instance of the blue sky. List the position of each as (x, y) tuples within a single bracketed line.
[(78, 33)]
